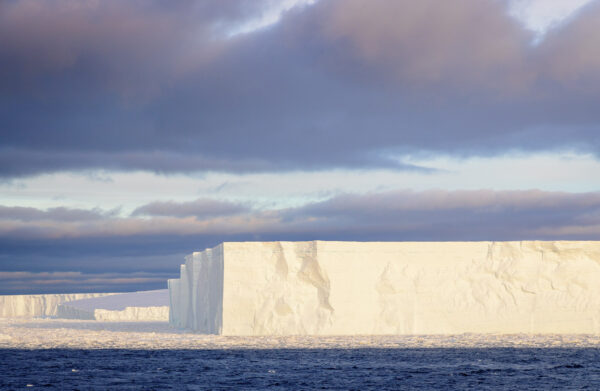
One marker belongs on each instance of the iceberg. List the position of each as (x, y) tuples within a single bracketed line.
[(141, 306), (38, 306), (389, 288)]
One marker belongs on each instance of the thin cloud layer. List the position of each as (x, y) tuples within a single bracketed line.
[(59, 214), (72, 282), (201, 209), (426, 215), (126, 85)]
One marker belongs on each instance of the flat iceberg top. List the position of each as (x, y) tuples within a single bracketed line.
[(404, 245), (119, 301)]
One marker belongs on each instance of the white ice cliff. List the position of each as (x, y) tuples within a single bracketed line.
[(368, 288), (35, 306), (131, 306)]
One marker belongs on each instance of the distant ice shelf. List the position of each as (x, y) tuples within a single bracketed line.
[(389, 288), (38, 306), (131, 306)]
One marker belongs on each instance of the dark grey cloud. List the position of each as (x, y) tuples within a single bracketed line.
[(15, 162), (431, 42), (131, 47), (60, 214), (481, 214), (157, 86), (156, 244), (73, 282), (201, 209), (457, 215)]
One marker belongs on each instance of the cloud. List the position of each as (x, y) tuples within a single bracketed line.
[(77, 282), (541, 16), (569, 57), (29, 275), (17, 162), (457, 215), (426, 215), (126, 85), (460, 43), (130, 47), (60, 214), (201, 209)]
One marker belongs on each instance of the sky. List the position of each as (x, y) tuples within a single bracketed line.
[(135, 132)]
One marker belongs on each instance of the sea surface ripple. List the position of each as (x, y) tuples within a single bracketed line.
[(301, 369)]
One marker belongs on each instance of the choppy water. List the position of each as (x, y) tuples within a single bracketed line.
[(281, 369)]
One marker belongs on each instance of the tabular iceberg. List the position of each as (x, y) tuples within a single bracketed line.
[(375, 288), (32, 306), (130, 306)]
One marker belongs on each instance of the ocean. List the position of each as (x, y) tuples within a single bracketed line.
[(301, 369)]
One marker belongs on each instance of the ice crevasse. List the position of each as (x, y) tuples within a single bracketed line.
[(377, 288)]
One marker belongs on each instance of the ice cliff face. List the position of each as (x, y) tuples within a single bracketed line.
[(351, 288), (34, 306), (196, 299), (132, 306)]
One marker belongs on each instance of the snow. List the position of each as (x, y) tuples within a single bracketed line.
[(90, 334), (131, 306), (30, 306), (134, 314), (389, 288)]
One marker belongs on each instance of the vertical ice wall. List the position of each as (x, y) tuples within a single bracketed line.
[(343, 288), (32, 306), (196, 298)]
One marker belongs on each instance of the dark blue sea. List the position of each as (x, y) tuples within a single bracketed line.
[(301, 369)]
